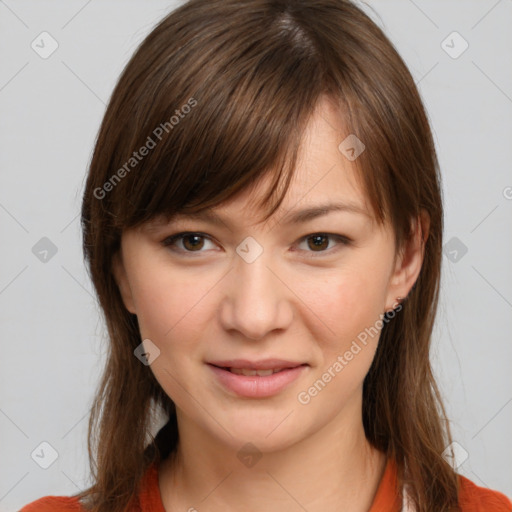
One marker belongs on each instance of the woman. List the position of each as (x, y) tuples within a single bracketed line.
[(262, 222)]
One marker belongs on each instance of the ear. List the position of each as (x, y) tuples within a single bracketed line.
[(121, 278), (409, 261)]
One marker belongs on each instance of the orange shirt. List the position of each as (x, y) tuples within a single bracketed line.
[(387, 498)]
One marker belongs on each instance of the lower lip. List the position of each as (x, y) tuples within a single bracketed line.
[(255, 386)]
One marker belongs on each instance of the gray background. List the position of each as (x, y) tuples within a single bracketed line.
[(52, 335)]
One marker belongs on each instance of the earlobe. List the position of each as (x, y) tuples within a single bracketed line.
[(410, 260), (121, 278)]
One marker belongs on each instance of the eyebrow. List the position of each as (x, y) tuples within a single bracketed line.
[(296, 217), (313, 212)]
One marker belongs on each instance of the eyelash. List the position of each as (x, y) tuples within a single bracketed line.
[(343, 240)]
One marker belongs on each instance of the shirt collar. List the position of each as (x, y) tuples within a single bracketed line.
[(386, 498)]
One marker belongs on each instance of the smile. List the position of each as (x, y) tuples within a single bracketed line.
[(249, 382), (247, 371)]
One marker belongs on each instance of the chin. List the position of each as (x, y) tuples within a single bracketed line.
[(268, 433)]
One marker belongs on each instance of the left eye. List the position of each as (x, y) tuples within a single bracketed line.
[(319, 242), (193, 242)]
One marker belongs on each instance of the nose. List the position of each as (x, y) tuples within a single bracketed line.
[(256, 299)]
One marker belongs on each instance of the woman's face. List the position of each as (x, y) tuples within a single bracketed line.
[(301, 299)]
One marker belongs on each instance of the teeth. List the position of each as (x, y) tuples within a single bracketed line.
[(261, 373)]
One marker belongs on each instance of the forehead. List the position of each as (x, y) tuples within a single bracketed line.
[(323, 174), (324, 180)]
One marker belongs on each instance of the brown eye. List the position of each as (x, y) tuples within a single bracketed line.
[(319, 242), (193, 242), (186, 242)]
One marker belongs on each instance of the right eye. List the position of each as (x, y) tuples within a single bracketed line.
[(190, 242)]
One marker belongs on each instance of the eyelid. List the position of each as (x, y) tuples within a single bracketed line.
[(169, 240), (341, 239)]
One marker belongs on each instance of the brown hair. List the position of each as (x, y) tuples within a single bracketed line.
[(219, 93)]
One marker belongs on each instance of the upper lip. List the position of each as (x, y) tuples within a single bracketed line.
[(263, 364)]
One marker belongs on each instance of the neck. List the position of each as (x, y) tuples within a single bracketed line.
[(332, 469)]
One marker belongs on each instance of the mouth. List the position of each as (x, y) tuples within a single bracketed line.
[(247, 371), (251, 372), (256, 379)]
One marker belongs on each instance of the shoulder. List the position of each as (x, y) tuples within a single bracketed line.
[(53, 504), (473, 498)]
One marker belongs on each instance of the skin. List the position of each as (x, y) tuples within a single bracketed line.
[(210, 304)]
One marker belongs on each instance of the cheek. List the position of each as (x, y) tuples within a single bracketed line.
[(348, 302), (169, 303), (172, 308), (350, 306)]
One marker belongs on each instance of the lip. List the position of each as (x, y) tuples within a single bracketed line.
[(255, 386), (263, 364)]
